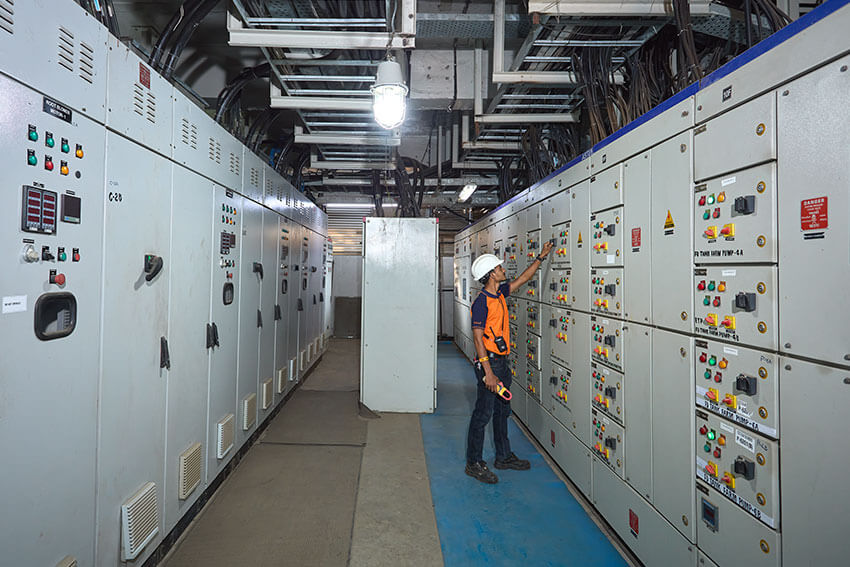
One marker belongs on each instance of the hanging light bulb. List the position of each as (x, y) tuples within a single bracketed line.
[(467, 192), (388, 95)]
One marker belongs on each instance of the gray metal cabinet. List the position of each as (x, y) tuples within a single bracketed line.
[(135, 349), (271, 314)]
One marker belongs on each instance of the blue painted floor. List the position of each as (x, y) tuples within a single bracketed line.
[(528, 518)]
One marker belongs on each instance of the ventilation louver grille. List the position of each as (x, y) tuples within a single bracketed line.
[(225, 433), (139, 99), (215, 150), (268, 393), (269, 188), (281, 380), (139, 521), (189, 134), (151, 108), (249, 412), (235, 164), (7, 15), (190, 471), (86, 63), (255, 177), (66, 49)]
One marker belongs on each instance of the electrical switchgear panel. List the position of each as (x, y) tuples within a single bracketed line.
[(532, 380), (560, 254), (532, 319), (559, 328), (606, 291), (735, 217), (608, 441), (607, 391), (511, 253), (738, 383), (737, 304), (606, 188), (559, 286), (532, 351), (606, 341), (739, 464), (559, 393), (606, 231), (532, 245)]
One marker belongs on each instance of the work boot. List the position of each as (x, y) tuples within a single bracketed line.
[(479, 471), (512, 462)]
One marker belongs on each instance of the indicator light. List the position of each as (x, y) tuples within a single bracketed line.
[(48, 163), (716, 213), (707, 448), (706, 300), (721, 440), (721, 196), (718, 377), (703, 357), (721, 287), (712, 361), (702, 201), (707, 374), (717, 453), (723, 363), (701, 285), (706, 215), (48, 140), (712, 435), (703, 430), (32, 134), (710, 200), (716, 302), (65, 147), (63, 169), (79, 152), (711, 285)]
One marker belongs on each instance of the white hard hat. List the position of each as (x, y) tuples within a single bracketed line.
[(483, 264)]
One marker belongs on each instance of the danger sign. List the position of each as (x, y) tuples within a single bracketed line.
[(636, 237), (814, 214)]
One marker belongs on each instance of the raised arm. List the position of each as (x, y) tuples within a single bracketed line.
[(529, 271)]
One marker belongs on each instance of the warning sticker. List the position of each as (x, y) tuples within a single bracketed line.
[(579, 237), (636, 237), (814, 214), (144, 75), (668, 224)]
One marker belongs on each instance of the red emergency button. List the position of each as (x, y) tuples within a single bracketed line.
[(58, 279)]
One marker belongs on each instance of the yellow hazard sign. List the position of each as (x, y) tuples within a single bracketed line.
[(579, 237), (668, 224)]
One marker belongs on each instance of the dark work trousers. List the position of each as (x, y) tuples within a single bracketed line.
[(487, 405)]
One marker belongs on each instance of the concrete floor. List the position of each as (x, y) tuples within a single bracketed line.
[(322, 486)]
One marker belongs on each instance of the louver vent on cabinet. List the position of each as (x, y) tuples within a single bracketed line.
[(189, 134), (139, 99), (268, 393), (86, 63), (151, 108), (249, 412), (281, 380), (139, 521), (190, 471), (235, 163), (7, 15), (225, 433), (215, 151), (66, 49)]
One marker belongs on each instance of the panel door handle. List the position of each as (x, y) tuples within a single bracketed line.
[(259, 318), (164, 357), (210, 336), (277, 314), (258, 269), (153, 265), (215, 334)]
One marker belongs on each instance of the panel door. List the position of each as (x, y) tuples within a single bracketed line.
[(268, 297)]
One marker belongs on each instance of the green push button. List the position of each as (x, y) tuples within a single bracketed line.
[(62, 256), (712, 361), (33, 135), (711, 286), (706, 215), (706, 301), (65, 147), (707, 374), (707, 448), (32, 160), (50, 142)]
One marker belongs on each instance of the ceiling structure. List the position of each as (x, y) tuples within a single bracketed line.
[(502, 92)]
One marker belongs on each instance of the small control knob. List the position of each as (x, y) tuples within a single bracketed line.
[(30, 253)]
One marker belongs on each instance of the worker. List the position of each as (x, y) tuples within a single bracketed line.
[(491, 335)]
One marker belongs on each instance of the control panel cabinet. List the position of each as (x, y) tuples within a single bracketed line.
[(294, 292), (671, 234), (606, 291), (533, 382), (190, 335), (740, 465), (50, 288), (606, 231), (558, 286), (730, 535), (133, 387), (738, 383), (606, 188), (270, 311), (533, 317), (637, 298), (735, 217), (560, 330), (580, 366), (638, 399), (737, 304), (224, 328), (607, 391), (580, 245), (557, 393), (283, 372), (511, 256), (608, 441), (813, 204), (607, 341), (555, 213), (252, 272), (560, 254), (533, 353)]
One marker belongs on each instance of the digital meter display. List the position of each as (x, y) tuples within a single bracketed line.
[(38, 210), (71, 206)]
